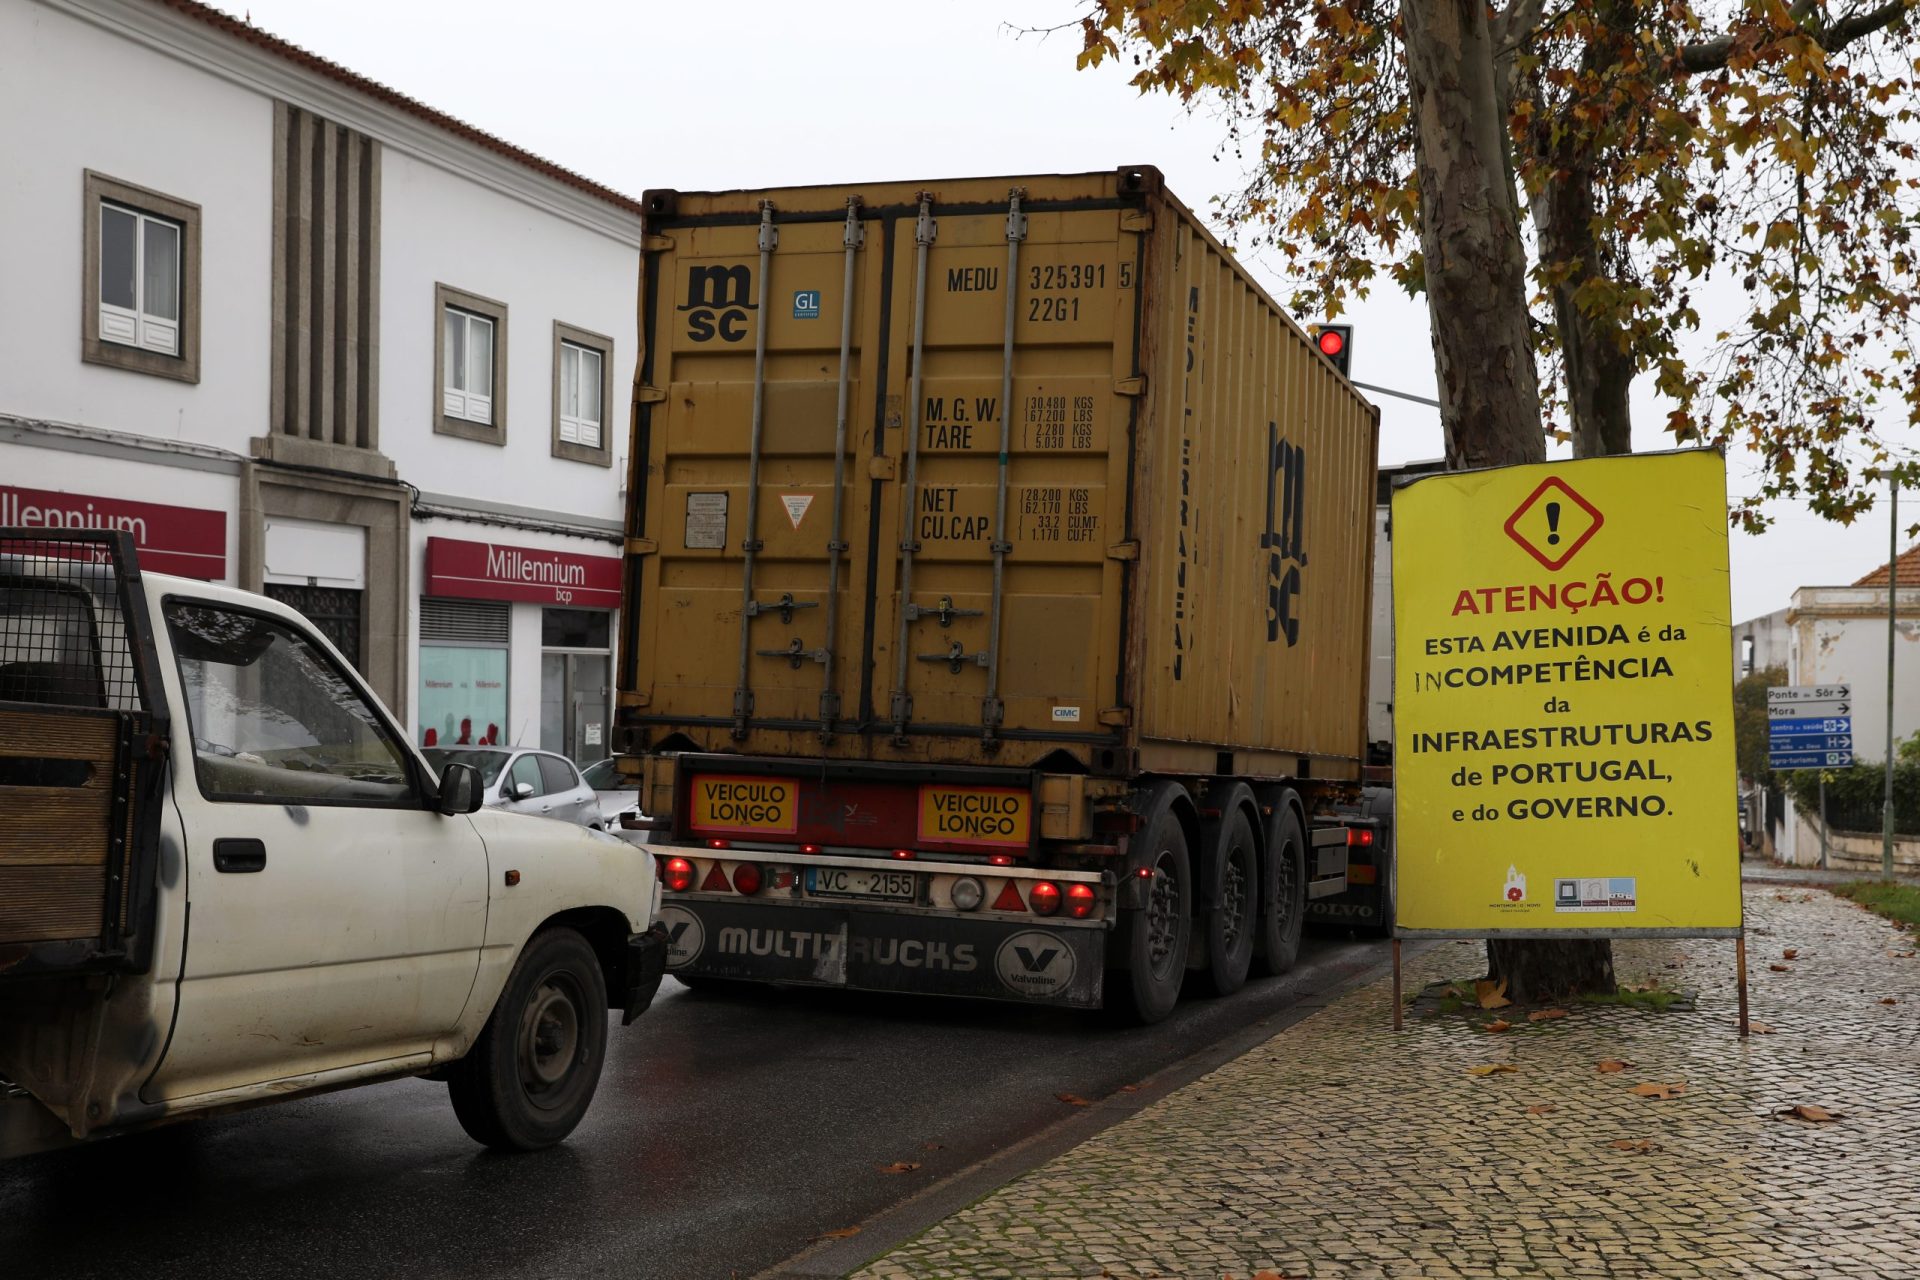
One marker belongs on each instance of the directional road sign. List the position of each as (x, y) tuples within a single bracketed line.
[(1810, 727)]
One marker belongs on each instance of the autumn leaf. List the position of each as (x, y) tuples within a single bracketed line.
[(1546, 1015), (1790, 953), (1498, 1025), (838, 1233), (932, 1146), (1073, 1099), (1612, 1065), (1660, 1092), (1492, 1069), (1809, 1112), (1759, 1028), (1129, 1088), (1643, 1145), (1888, 1000), (1779, 968), (899, 1166), (1491, 994), (1540, 1108)]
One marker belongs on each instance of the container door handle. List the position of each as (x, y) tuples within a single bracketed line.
[(238, 856)]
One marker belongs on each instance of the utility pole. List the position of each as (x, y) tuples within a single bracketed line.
[(1893, 614)]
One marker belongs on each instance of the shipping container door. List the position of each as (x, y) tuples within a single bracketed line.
[(776, 647), (1062, 387)]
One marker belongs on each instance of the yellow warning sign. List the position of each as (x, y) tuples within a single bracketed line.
[(1563, 705), (745, 806)]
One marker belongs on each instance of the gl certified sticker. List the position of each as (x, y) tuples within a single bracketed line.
[(806, 304), (1035, 964), (686, 936)]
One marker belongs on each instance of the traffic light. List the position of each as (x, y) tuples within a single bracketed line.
[(1336, 344)]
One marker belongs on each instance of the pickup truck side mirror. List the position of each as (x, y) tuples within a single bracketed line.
[(521, 790), (461, 790)]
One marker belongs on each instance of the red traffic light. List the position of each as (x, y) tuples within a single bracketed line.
[(1332, 342), (1335, 342)]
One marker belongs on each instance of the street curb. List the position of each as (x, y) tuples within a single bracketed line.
[(899, 1223)]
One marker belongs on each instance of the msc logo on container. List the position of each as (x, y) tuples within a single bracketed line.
[(806, 304), (717, 302)]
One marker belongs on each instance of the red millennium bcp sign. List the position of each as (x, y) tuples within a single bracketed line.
[(500, 571), (188, 541)]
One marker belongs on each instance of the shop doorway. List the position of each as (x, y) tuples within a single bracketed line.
[(576, 693)]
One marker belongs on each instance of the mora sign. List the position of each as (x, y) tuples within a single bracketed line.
[(498, 571), (1563, 710)]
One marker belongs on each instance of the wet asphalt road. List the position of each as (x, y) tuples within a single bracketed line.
[(727, 1132)]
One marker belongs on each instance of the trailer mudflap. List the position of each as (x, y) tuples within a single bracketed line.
[(1033, 962)]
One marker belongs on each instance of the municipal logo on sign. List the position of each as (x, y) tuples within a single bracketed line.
[(806, 304), (1035, 964), (1554, 523), (686, 936)]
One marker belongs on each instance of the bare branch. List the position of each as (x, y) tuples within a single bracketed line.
[(1712, 55)]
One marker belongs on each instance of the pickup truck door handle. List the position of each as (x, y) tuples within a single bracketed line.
[(239, 855)]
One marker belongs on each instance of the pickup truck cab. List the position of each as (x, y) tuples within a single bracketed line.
[(227, 878)]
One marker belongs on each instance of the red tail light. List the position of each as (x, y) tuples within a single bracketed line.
[(1044, 898), (1359, 837), (677, 874), (1009, 899), (1000, 860), (1079, 901), (746, 877), (809, 848), (719, 844), (903, 854)]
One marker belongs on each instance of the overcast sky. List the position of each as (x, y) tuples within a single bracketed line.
[(638, 94)]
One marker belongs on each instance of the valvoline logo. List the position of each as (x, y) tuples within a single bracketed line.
[(717, 302)]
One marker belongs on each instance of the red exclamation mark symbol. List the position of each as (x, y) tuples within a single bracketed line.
[(1553, 523)]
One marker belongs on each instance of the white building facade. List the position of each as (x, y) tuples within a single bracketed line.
[(302, 335)]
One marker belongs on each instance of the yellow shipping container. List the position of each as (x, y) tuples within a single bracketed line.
[(978, 472)]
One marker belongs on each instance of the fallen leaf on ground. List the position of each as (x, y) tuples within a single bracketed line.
[(1642, 1145), (1901, 955), (1498, 1025), (1888, 1000), (1546, 1015), (1662, 1092), (1808, 1111), (1759, 1028), (932, 1146), (1612, 1065), (1073, 1099), (1789, 953), (1491, 994), (839, 1233), (1779, 968), (1491, 1068), (1639, 986), (1129, 1088), (1540, 1108), (899, 1166), (1268, 1275)]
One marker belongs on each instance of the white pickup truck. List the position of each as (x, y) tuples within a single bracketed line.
[(226, 878)]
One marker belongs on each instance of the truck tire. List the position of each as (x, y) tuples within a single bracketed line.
[(1283, 909), (1232, 926), (1156, 935), (530, 1076)]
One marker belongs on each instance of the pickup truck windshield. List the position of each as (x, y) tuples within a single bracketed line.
[(274, 720)]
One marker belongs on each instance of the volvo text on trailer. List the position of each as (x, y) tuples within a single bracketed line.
[(997, 595)]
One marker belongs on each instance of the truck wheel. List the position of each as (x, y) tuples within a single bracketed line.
[(1157, 933), (529, 1077), (1283, 911), (1232, 925)]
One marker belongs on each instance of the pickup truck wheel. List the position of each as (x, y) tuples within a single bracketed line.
[(530, 1076), (1232, 925), (1283, 912), (1156, 934)]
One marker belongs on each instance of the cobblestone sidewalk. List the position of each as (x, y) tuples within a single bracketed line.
[(1338, 1149)]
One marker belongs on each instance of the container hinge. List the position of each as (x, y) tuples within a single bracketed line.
[(649, 395), (944, 611), (796, 654), (829, 711), (1124, 551), (881, 468), (956, 657), (926, 227), (900, 710), (641, 546), (992, 712), (1000, 548), (657, 244), (1117, 717), (636, 698), (786, 604), (1138, 221), (742, 708), (1134, 386), (769, 233), (1016, 220)]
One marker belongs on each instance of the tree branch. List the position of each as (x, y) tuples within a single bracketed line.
[(1712, 55)]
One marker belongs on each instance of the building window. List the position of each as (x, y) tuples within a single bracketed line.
[(582, 392), (470, 351), (463, 672), (141, 265)]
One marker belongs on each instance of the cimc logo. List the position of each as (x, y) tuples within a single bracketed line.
[(717, 302)]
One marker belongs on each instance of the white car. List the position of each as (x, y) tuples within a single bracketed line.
[(521, 781), (615, 793)]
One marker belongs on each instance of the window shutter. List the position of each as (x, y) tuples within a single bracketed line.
[(464, 621)]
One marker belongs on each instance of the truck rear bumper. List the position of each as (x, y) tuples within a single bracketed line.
[(1033, 962), (646, 961)]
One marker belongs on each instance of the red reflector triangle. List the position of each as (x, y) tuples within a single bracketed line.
[(716, 881), (1009, 899)]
